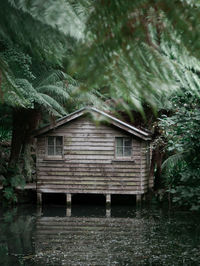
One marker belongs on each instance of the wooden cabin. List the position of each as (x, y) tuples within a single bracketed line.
[(90, 151)]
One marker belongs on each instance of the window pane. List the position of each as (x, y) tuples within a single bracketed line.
[(123, 147), (59, 150), (119, 142), (50, 140), (127, 142), (55, 145), (119, 151), (58, 141), (50, 150), (127, 151)]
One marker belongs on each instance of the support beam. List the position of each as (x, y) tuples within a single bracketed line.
[(39, 210), (68, 199), (108, 212), (144, 197), (68, 211), (108, 200), (39, 198), (138, 198)]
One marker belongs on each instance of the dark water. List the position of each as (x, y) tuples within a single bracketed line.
[(92, 235)]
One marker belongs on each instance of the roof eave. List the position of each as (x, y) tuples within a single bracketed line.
[(116, 122)]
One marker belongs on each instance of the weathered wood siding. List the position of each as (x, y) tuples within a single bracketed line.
[(88, 164)]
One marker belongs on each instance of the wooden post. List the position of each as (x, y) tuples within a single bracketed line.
[(108, 212), (108, 200), (144, 197), (39, 198), (68, 199), (39, 210), (138, 198), (68, 211)]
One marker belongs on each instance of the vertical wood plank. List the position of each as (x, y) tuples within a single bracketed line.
[(39, 198), (68, 211), (68, 199), (138, 198), (108, 200), (108, 212)]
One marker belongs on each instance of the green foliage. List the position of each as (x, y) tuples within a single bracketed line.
[(67, 16), (5, 134), (19, 62), (5, 123), (40, 39), (26, 36), (14, 179), (132, 47), (131, 52), (182, 168)]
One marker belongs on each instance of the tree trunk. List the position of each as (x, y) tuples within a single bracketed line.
[(24, 122), (156, 161), (18, 135), (34, 117)]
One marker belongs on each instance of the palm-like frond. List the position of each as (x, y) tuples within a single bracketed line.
[(66, 16), (173, 160), (126, 49), (51, 77), (40, 39), (48, 98), (57, 92), (7, 79), (51, 105)]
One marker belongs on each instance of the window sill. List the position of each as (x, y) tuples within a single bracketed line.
[(123, 160), (54, 158)]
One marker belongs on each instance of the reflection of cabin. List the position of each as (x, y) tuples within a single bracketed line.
[(90, 241), (78, 155)]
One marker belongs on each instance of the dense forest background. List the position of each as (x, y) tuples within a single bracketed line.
[(136, 59)]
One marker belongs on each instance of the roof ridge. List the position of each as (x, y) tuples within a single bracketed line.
[(115, 121)]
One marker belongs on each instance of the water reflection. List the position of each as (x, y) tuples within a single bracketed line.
[(93, 238), (94, 235), (16, 233)]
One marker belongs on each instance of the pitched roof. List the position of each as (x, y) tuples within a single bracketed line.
[(109, 118)]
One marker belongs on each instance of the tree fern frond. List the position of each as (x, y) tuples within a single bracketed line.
[(26, 88), (40, 39), (52, 105), (67, 16), (51, 78), (57, 92), (7, 79)]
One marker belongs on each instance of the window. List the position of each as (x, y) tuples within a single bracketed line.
[(123, 147), (55, 146)]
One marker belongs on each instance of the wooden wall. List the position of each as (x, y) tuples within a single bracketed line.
[(88, 164)]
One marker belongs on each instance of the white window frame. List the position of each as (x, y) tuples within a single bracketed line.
[(123, 147), (54, 146)]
